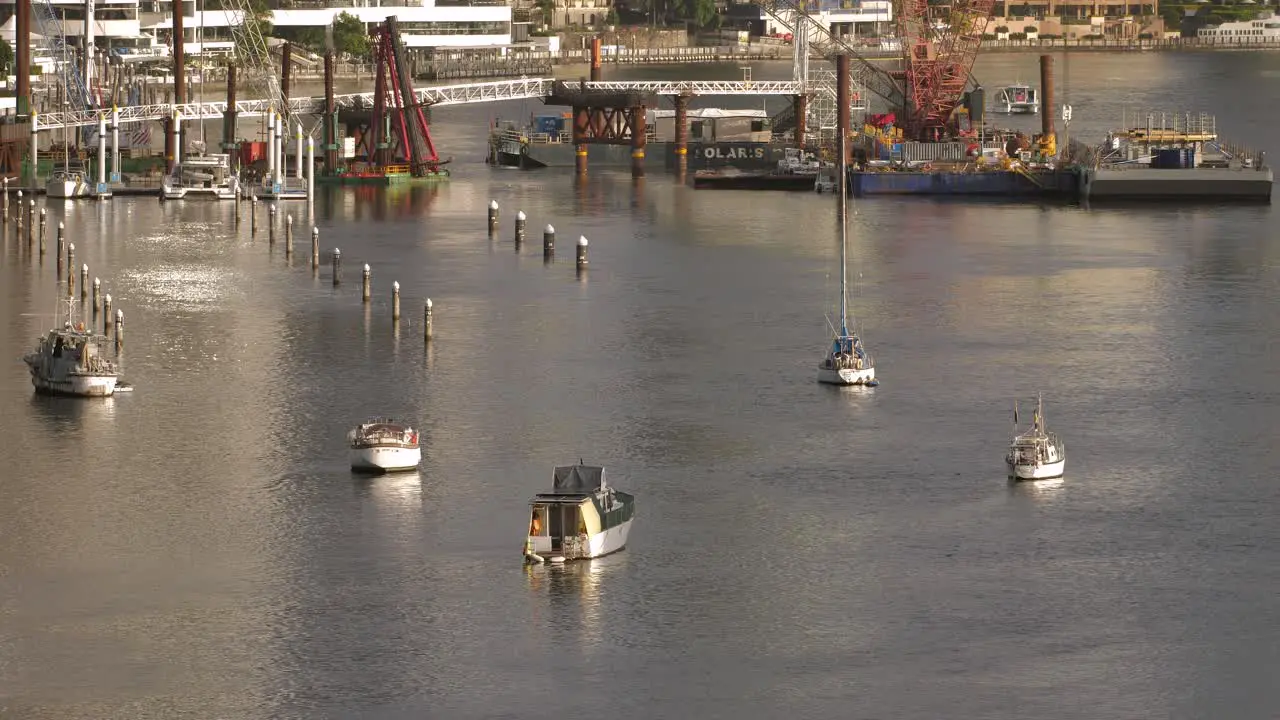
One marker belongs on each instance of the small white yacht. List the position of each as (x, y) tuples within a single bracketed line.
[(1017, 99), (1035, 454), (201, 176), (66, 184), (71, 360), (384, 445), (582, 517)]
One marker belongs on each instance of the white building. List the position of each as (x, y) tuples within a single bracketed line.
[(1262, 30), (853, 18)]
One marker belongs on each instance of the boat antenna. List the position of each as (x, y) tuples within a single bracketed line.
[(843, 205)]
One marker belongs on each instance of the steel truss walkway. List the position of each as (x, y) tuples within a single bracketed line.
[(440, 96)]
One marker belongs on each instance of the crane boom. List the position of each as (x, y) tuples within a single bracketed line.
[(940, 44)]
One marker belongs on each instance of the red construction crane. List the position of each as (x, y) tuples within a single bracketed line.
[(399, 126)]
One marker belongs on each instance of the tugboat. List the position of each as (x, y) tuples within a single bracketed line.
[(383, 445), (581, 518), (1035, 454), (70, 360)]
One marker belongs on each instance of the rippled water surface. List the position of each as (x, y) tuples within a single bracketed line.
[(198, 548)]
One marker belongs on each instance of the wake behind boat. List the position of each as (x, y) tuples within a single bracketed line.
[(384, 445), (847, 361), (71, 360), (1035, 454), (582, 517)]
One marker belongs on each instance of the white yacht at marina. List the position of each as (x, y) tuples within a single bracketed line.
[(201, 176), (582, 517), (1017, 99), (71, 360), (66, 184), (1035, 454), (384, 445)]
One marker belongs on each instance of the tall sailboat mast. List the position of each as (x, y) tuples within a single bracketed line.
[(844, 230)]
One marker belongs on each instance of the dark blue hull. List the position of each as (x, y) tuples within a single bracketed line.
[(995, 183)]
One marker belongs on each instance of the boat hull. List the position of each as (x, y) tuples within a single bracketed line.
[(66, 189), (605, 542), (385, 459), (1045, 471), (828, 376), (76, 385)]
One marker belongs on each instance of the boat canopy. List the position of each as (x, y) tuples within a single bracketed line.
[(574, 479)]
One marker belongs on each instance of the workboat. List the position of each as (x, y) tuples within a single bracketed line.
[(203, 177), (1017, 99), (383, 445), (582, 517), (1035, 454), (71, 360), (847, 362), (66, 184)]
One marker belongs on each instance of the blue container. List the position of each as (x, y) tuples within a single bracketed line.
[(1188, 157), (1167, 159), (549, 124)]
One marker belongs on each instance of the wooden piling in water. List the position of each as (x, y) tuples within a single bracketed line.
[(62, 239), (493, 216), (395, 302), (106, 314), (6, 200), (271, 224), (427, 330), (253, 215), (337, 266), (548, 243), (43, 219), (288, 235), (365, 285), (119, 330), (84, 282), (97, 300), (31, 222), (17, 228), (71, 269), (521, 218), (315, 249), (582, 253)]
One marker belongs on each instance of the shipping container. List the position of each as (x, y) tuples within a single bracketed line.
[(252, 151)]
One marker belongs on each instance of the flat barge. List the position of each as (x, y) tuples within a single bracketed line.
[(792, 182)]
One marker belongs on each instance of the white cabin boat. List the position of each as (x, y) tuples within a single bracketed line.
[(581, 518), (383, 445), (847, 361), (1017, 99), (71, 360), (67, 184), (201, 176), (1035, 454)]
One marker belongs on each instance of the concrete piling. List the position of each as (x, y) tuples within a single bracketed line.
[(253, 215), (548, 243), (427, 330), (315, 248), (337, 266), (395, 302), (271, 224), (582, 254), (119, 330), (365, 285), (106, 314), (97, 299), (288, 235), (493, 217), (521, 219), (84, 282)]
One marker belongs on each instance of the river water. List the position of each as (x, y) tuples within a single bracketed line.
[(198, 548)]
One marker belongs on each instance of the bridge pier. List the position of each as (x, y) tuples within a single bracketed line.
[(682, 135), (637, 141), (596, 70), (229, 143), (330, 118), (800, 108)]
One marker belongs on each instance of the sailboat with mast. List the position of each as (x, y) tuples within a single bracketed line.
[(847, 361), (66, 183)]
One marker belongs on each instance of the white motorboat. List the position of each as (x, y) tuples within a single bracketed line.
[(581, 518), (1035, 454), (847, 361), (384, 445), (71, 360), (66, 184), (203, 177), (1017, 99)]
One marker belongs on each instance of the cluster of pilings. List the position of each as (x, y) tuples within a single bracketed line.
[(548, 238), (29, 237)]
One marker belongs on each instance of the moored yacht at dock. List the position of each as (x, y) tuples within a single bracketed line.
[(201, 176), (582, 517)]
